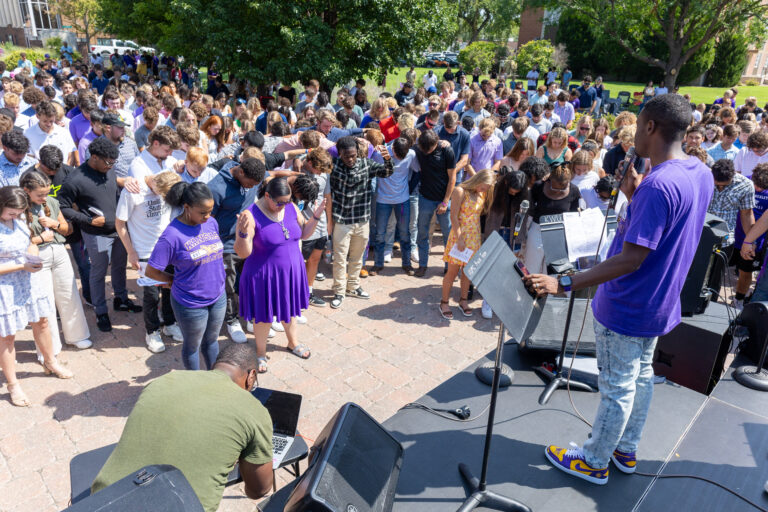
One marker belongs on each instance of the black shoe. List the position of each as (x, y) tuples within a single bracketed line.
[(419, 272), (375, 270), (408, 270), (314, 300), (103, 323), (359, 293), (336, 301), (126, 305)]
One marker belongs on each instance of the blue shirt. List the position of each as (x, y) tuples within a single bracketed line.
[(100, 84), (717, 152), (229, 199), (459, 140), (666, 215), (261, 122), (394, 189), (586, 97), (10, 172)]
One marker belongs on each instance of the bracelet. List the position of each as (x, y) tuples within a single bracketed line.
[(443, 203), (242, 235), (747, 243), (316, 218)]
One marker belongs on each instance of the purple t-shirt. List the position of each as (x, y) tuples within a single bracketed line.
[(666, 215), (196, 254)]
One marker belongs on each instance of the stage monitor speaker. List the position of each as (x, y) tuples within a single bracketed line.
[(696, 293), (549, 333), (355, 466), (693, 353), (159, 487), (494, 273), (755, 318)]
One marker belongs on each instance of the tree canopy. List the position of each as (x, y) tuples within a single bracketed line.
[(492, 19), (684, 27), (288, 41)]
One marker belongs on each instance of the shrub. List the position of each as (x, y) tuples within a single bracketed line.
[(13, 54), (751, 82), (730, 60), (534, 53), (480, 54)]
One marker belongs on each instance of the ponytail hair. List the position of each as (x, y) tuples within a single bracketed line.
[(190, 194), (33, 180)]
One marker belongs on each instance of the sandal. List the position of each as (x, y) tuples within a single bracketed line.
[(448, 315), (301, 350), (466, 311), (18, 398), (262, 364), (57, 369)]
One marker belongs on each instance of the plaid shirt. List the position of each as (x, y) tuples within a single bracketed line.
[(738, 195), (352, 190)]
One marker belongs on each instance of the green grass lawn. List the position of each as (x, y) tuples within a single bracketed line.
[(698, 94)]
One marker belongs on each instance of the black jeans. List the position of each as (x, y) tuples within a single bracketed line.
[(233, 266), (154, 295)]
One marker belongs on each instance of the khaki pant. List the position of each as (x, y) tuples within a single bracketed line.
[(58, 278), (349, 241)]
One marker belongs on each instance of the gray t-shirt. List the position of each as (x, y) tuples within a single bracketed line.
[(324, 188)]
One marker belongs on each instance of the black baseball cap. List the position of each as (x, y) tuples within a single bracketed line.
[(114, 120)]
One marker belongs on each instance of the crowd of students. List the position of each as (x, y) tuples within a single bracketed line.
[(226, 204)]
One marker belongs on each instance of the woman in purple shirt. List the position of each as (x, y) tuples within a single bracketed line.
[(191, 244)]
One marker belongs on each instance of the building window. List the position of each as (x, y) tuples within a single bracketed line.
[(41, 16), (758, 58)]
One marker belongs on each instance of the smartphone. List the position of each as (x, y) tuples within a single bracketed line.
[(521, 269)]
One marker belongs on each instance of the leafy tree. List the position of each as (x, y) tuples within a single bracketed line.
[(480, 54), (288, 41), (730, 60), (532, 53), (82, 14), (495, 19), (683, 26)]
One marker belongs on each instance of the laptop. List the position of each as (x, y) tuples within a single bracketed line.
[(284, 409)]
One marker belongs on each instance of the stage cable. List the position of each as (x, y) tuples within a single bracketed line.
[(444, 413)]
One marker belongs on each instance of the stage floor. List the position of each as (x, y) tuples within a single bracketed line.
[(724, 438)]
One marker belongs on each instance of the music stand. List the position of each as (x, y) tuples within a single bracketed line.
[(494, 253)]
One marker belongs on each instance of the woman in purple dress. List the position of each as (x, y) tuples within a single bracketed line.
[(274, 280)]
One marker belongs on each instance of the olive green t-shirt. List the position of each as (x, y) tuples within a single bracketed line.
[(198, 421)]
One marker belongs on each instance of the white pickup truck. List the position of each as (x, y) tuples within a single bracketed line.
[(109, 46)]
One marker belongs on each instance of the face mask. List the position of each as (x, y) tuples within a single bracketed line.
[(301, 205)]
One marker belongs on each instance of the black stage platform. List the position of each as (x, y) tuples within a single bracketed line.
[(723, 437)]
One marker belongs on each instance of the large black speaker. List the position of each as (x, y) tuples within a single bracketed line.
[(354, 467), (160, 487), (701, 279), (693, 353), (549, 332), (755, 319)]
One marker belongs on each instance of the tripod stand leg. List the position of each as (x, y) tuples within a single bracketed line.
[(553, 385), (472, 481)]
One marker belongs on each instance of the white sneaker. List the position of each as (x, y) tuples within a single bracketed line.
[(415, 256), (249, 326), (486, 310), (301, 319), (174, 332), (155, 342), (82, 344), (277, 326), (388, 257), (272, 333), (236, 332)]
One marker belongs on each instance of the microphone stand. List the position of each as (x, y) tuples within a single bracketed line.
[(480, 495), (556, 379)]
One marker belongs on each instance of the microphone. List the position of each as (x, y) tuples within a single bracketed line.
[(521, 216)]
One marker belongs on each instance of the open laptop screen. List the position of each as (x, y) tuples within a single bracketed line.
[(283, 407)]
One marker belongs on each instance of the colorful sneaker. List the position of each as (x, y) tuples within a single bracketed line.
[(572, 462), (626, 462)]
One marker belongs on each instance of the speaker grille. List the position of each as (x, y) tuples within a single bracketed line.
[(358, 475)]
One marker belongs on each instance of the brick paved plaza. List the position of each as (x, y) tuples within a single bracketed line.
[(380, 353)]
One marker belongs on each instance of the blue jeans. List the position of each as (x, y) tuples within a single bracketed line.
[(626, 389), (414, 226), (403, 217), (426, 208), (761, 288), (200, 328), (83, 262)]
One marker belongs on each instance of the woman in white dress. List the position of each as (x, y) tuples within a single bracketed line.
[(19, 303)]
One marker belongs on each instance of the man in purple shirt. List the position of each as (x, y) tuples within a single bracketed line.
[(640, 282), (81, 123)]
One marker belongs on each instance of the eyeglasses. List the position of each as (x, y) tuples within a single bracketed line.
[(434, 104), (108, 163)]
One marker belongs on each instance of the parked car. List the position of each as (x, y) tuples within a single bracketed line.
[(109, 46)]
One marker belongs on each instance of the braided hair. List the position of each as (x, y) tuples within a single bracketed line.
[(33, 180)]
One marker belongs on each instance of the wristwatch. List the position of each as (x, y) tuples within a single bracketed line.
[(565, 282)]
